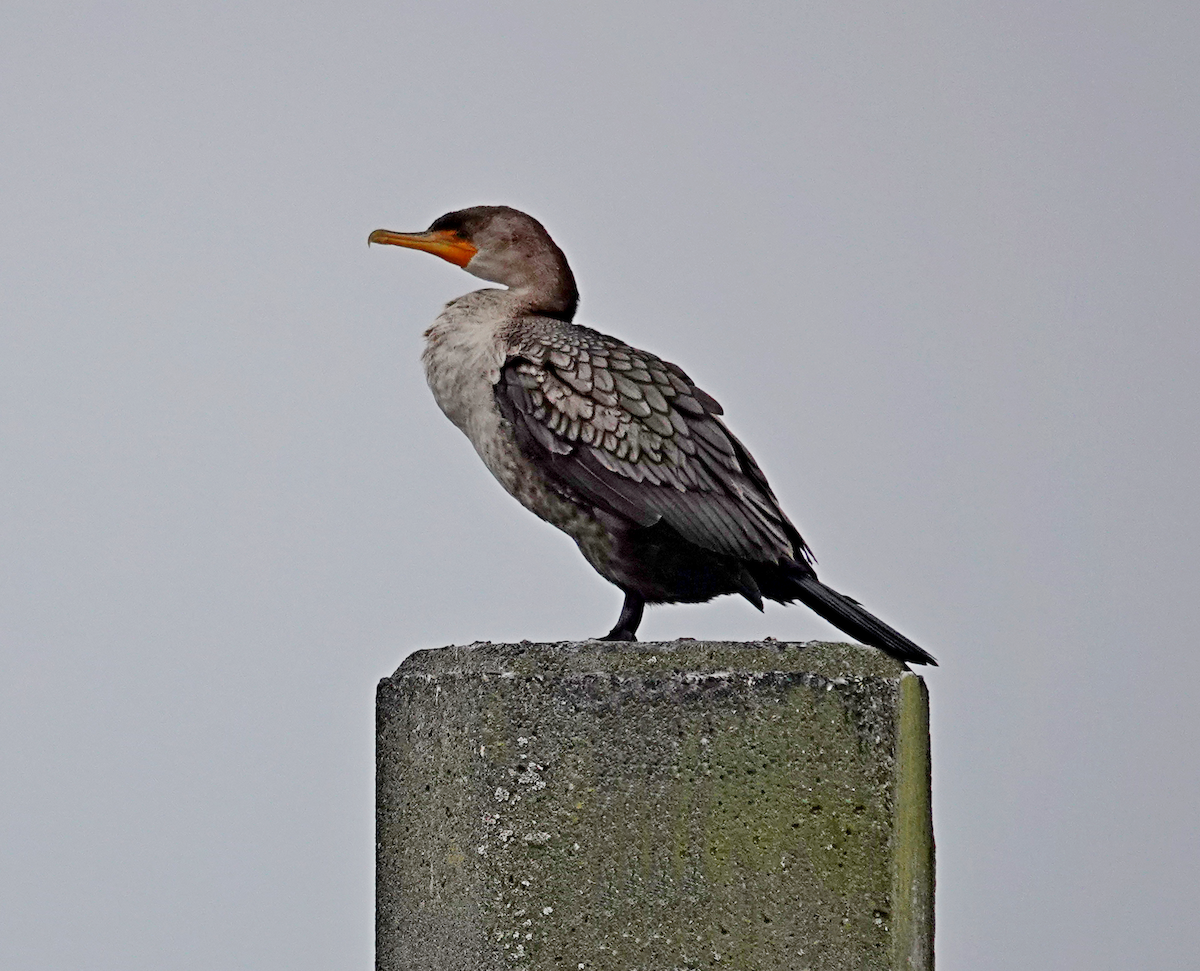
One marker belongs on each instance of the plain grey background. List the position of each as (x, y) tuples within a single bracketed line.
[(937, 260)]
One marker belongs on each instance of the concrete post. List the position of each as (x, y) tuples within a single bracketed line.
[(652, 807)]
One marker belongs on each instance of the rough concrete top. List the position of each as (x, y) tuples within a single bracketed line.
[(824, 659), (653, 806)]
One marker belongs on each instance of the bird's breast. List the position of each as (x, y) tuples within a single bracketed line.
[(463, 357)]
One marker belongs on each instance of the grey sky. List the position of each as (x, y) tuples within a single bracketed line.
[(939, 263)]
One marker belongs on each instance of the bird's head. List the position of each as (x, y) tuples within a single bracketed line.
[(502, 245)]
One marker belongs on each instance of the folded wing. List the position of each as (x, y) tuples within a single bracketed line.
[(630, 433)]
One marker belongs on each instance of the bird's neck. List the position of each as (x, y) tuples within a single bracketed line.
[(548, 291), (538, 277)]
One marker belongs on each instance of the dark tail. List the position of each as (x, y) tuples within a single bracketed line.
[(850, 616)]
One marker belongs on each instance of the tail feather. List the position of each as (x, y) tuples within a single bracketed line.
[(850, 616)]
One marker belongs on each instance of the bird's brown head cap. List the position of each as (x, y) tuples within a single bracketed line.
[(499, 244)]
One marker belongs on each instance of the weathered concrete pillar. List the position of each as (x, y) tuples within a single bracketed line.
[(652, 807)]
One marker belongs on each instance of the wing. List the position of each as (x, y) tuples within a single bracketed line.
[(632, 434)]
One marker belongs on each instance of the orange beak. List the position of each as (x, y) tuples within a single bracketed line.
[(445, 243)]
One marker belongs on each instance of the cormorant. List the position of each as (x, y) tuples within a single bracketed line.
[(616, 447)]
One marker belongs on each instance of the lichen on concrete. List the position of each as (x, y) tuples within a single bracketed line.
[(655, 806)]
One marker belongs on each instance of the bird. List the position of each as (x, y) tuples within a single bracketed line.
[(613, 445)]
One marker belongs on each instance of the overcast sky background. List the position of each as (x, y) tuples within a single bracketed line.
[(939, 262)]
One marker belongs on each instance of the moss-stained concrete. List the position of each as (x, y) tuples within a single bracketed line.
[(652, 807)]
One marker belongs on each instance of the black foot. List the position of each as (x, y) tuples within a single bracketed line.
[(627, 623)]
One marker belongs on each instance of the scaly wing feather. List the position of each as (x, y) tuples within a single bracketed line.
[(632, 434)]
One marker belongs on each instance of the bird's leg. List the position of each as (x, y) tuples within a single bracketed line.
[(627, 623)]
